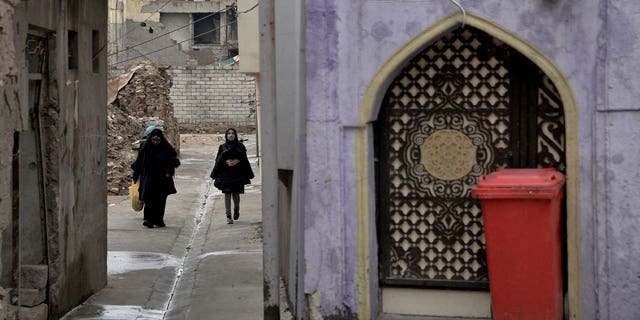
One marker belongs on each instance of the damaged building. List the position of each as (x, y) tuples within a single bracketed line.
[(198, 40), (137, 99), (53, 217)]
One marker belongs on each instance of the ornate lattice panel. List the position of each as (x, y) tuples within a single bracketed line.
[(448, 122), (457, 111), (551, 130)]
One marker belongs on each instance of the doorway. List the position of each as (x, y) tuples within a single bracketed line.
[(461, 108)]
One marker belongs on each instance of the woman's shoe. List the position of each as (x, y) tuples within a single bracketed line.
[(229, 221), (147, 224), (236, 215), (160, 225)]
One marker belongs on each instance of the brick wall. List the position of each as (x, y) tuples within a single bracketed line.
[(210, 95), (213, 95)]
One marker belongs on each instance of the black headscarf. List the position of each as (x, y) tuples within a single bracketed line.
[(231, 148), (226, 140), (231, 179), (155, 161), (163, 150)]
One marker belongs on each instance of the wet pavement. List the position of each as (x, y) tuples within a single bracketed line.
[(197, 267)]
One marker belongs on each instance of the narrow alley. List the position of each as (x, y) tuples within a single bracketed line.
[(197, 267)]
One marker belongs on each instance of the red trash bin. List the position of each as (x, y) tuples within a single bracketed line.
[(521, 213)]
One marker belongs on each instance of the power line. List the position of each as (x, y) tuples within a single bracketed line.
[(166, 33), (170, 46), (151, 14), (182, 27), (175, 44), (95, 54), (254, 6)]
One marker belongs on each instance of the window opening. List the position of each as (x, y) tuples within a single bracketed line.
[(206, 31), (72, 49), (95, 49)]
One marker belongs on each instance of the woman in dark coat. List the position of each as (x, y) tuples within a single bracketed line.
[(155, 167), (231, 172)]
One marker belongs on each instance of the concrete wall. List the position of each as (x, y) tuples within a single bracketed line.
[(184, 6), (134, 11), (172, 18), (594, 44), (615, 136), (117, 29), (73, 131), (290, 137), (248, 37), (175, 48), (172, 21), (11, 77), (288, 39)]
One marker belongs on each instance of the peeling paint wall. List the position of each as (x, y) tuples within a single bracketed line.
[(10, 114), (82, 169), (11, 120), (9, 107), (72, 118), (596, 46), (117, 29)]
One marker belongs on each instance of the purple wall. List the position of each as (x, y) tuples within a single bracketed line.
[(594, 44)]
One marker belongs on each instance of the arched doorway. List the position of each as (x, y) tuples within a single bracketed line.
[(555, 87), (461, 108)]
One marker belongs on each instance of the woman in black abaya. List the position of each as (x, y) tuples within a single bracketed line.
[(155, 167), (231, 172)]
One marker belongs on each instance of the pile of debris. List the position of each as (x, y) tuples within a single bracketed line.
[(137, 99)]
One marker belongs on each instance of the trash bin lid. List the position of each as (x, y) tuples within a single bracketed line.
[(520, 183)]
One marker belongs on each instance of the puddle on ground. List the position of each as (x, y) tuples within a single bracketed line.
[(113, 312), (126, 261), (229, 252)]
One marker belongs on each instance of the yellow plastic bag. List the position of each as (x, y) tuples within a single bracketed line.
[(136, 203)]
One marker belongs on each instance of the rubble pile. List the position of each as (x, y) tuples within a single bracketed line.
[(147, 95), (137, 99), (123, 131)]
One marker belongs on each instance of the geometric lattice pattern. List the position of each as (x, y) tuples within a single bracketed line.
[(550, 121), (446, 120)]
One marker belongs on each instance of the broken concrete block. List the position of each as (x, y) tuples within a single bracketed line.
[(10, 313), (39, 312), (34, 276), (32, 297)]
